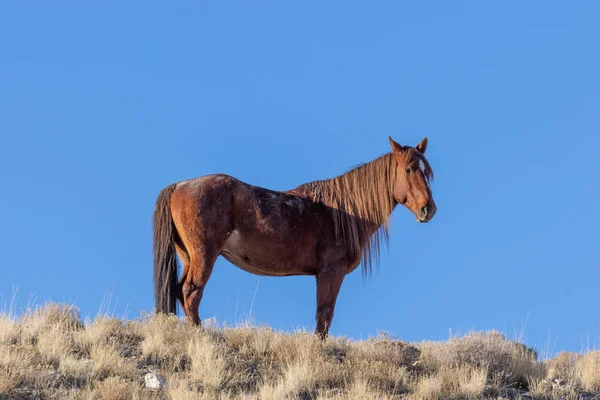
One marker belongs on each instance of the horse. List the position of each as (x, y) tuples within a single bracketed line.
[(324, 228)]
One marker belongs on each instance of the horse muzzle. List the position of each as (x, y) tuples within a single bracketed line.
[(426, 213)]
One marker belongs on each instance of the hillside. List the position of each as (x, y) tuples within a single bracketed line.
[(50, 353)]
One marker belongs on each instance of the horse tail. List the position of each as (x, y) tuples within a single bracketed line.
[(165, 260)]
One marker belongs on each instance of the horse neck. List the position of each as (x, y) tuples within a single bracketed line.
[(367, 194), (371, 205)]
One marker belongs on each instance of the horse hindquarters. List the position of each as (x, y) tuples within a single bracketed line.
[(203, 215)]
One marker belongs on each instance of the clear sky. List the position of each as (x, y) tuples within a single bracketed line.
[(103, 105)]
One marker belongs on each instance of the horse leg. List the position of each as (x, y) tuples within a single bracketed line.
[(185, 260), (329, 281), (201, 266)]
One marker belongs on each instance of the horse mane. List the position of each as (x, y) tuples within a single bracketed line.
[(361, 201)]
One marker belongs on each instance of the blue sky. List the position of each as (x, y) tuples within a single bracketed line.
[(104, 105)]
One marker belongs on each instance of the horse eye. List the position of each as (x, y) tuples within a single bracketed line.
[(407, 170)]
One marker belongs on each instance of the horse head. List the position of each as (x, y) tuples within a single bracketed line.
[(413, 175)]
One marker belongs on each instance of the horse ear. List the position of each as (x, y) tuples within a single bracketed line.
[(395, 146), (423, 145)]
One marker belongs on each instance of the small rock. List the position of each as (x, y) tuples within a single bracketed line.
[(154, 381), (559, 382)]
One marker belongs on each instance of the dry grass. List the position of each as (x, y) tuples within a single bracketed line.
[(452, 382), (50, 353), (590, 371), (9, 332), (508, 362)]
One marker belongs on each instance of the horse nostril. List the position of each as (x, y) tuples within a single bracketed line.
[(424, 211)]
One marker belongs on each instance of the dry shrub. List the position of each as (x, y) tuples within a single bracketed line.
[(302, 379), (19, 357), (428, 388), (386, 350), (569, 374), (547, 389), (464, 381), (105, 331), (589, 365), (261, 339), (381, 377), (20, 362), (9, 379), (563, 379), (472, 381), (453, 382), (76, 371), (44, 382), (115, 388), (308, 366), (208, 364), (108, 362), (258, 357), (299, 346), (55, 344), (511, 362), (178, 389), (166, 339), (303, 351), (50, 315), (309, 377), (298, 380), (86, 393), (252, 352), (9, 330), (384, 363), (541, 389), (361, 389), (563, 367)]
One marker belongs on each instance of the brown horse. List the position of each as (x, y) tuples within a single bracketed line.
[(323, 228)]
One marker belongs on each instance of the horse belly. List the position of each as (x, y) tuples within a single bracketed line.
[(269, 255)]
